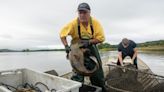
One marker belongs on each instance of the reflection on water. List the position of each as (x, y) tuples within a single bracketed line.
[(39, 61), (43, 61), (155, 60)]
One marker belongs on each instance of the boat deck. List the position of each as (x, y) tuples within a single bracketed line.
[(143, 77), (106, 67)]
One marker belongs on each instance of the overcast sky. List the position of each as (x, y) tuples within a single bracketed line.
[(37, 23)]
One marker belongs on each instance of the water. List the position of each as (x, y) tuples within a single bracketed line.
[(44, 61), (155, 60), (39, 61)]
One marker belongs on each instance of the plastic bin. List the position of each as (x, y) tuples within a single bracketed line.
[(21, 76)]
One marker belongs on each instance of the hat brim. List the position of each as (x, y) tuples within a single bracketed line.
[(82, 9)]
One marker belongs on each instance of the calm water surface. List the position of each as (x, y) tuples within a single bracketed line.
[(44, 61)]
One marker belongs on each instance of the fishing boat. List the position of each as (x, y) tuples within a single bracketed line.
[(26, 80), (127, 78), (117, 79), (130, 79)]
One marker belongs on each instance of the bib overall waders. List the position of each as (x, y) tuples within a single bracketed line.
[(97, 78)]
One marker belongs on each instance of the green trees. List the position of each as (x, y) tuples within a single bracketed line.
[(151, 45)]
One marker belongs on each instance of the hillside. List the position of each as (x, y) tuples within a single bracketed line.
[(150, 45)]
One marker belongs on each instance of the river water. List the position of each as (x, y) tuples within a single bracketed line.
[(44, 61)]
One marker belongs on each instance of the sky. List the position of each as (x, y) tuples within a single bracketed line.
[(36, 24)]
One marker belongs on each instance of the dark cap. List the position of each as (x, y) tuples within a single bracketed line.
[(83, 6), (125, 42)]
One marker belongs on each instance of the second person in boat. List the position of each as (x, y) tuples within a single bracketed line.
[(127, 48)]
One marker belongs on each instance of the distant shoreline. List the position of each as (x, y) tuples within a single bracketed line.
[(149, 48), (146, 46), (27, 50), (152, 48)]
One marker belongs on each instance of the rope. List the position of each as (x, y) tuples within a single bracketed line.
[(8, 86), (37, 83), (27, 85)]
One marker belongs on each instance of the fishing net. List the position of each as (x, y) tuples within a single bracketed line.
[(129, 79)]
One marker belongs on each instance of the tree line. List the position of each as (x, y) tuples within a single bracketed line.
[(145, 44)]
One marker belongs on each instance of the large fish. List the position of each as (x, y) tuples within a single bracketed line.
[(76, 58)]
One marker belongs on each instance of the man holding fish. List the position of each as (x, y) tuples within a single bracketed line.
[(88, 32)]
